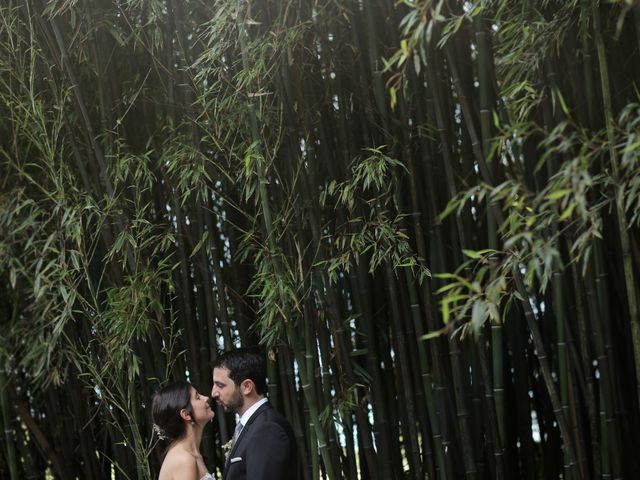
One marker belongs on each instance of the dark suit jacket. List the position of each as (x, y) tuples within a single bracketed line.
[(265, 449)]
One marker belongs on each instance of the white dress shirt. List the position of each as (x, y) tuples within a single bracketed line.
[(249, 413)]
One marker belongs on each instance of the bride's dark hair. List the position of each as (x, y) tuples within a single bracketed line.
[(166, 406)]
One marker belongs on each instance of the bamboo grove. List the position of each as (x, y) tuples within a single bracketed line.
[(426, 211)]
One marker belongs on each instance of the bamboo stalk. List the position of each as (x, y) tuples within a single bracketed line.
[(220, 296), (636, 17), (610, 451), (486, 84), (409, 432), (324, 382), (461, 409), (604, 438), (586, 368), (188, 319), (6, 424), (381, 429), (623, 230), (561, 353), (443, 467), (293, 412), (343, 350), (305, 362), (587, 61)]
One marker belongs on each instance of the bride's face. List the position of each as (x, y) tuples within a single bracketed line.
[(201, 410)]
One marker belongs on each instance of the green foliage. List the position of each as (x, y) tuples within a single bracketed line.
[(182, 177), (377, 234)]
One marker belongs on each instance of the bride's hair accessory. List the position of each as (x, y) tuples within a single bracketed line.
[(159, 432)]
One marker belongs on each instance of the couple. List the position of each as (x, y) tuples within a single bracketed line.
[(263, 446)]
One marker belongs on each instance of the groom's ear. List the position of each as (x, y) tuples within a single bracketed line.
[(248, 386)]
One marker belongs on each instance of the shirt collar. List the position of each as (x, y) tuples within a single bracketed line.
[(249, 413)]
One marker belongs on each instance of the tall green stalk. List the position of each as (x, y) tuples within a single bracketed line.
[(621, 216), (8, 431)]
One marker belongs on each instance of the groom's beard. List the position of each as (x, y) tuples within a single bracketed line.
[(235, 402)]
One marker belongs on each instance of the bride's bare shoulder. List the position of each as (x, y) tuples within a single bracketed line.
[(178, 464)]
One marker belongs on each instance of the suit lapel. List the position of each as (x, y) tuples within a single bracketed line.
[(245, 432)]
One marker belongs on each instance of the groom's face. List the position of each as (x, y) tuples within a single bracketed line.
[(225, 392)]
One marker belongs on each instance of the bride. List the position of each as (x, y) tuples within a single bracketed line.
[(180, 414)]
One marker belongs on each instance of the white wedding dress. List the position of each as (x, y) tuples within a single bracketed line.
[(208, 476)]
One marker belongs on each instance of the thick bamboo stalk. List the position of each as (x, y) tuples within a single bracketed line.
[(305, 362), (343, 351), (409, 431), (220, 295), (292, 410), (585, 367), (546, 371), (206, 285), (636, 18), (604, 438), (461, 409), (378, 405), (587, 62), (489, 405), (486, 104), (621, 216), (203, 299), (7, 428), (324, 383), (519, 429), (186, 299), (563, 373), (611, 451), (410, 308), (426, 297)]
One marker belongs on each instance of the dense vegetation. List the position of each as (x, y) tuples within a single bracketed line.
[(427, 211)]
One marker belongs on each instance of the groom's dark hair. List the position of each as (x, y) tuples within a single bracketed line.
[(245, 364)]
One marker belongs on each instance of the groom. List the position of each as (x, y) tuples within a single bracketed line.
[(263, 445)]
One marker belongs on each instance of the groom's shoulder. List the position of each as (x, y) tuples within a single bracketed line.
[(268, 414), (273, 414)]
